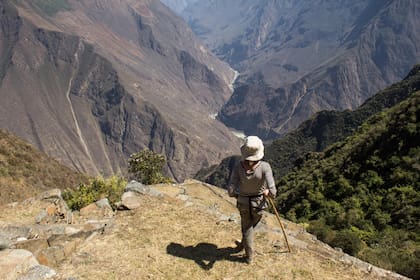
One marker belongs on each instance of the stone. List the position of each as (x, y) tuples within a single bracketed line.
[(103, 203), (98, 210), (131, 200), (50, 194), (41, 217), (89, 210), (48, 230), (137, 187), (38, 272), (14, 232), (52, 256), (33, 245), (69, 230), (105, 207), (15, 262), (5, 242)]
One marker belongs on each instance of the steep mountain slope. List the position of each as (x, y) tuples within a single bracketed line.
[(178, 5), (328, 127), (299, 57), (317, 133), (287, 37), (90, 82), (364, 192), (186, 231), (25, 171)]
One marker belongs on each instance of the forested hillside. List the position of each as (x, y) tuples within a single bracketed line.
[(362, 194)]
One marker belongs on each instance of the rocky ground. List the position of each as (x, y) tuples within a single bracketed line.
[(161, 232)]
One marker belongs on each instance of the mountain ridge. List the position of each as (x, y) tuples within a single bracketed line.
[(298, 58), (90, 83)]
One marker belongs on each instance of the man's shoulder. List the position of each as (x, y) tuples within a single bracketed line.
[(264, 163)]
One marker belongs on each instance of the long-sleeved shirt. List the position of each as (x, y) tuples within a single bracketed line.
[(243, 184)]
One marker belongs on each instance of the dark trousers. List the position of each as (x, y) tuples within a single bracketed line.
[(250, 217)]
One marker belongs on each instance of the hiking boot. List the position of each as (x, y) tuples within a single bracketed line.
[(249, 254), (248, 259), (239, 246)]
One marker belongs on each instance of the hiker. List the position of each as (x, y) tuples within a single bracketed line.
[(251, 182)]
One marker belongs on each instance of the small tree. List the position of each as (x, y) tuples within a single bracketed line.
[(147, 167)]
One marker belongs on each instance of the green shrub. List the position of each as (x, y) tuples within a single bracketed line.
[(98, 188), (349, 241), (396, 250), (322, 231), (147, 167)]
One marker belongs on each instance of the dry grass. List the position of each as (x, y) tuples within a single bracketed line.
[(22, 213), (166, 239), (25, 171)]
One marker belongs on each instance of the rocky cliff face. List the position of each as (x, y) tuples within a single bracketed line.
[(91, 82), (297, 58)]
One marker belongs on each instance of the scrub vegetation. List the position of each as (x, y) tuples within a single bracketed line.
[(362, 194)]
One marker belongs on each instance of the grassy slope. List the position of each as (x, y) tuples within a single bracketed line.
[(25, 171)]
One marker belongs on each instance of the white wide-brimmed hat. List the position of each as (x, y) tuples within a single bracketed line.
[(252, 149)]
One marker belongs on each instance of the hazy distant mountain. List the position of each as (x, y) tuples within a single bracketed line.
[(90, 82), (178, 5), (300, 57)]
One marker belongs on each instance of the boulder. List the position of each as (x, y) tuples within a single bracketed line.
[(15, 262), (14, 232), (33, 245), (131, 200), (50, 195), (137, 187), (99, 210), (5, 242), (52, 256)]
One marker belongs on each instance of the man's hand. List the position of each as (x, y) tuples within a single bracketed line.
[(266, 192)]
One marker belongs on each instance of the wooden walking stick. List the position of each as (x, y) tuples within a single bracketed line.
[(278, 219)]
